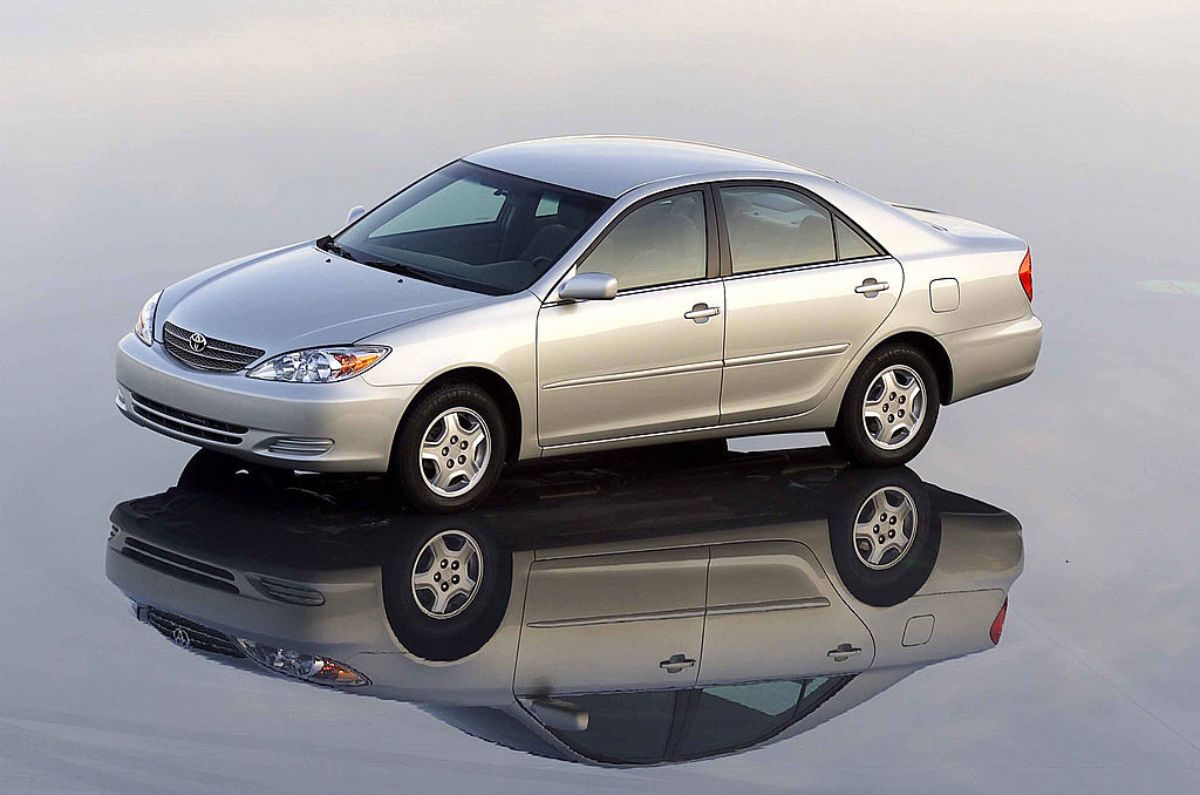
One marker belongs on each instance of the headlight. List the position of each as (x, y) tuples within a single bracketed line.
[(321, 365), (309, 667), (144, 327)]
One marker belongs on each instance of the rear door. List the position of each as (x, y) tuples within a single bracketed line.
[(804, 291), (621, 621), (774, 614)]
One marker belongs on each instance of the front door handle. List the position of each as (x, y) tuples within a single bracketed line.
[(843, 652), (871, 287), (676, 663), (700, 313)]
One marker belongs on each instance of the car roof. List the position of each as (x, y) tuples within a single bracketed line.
[(610, 165)]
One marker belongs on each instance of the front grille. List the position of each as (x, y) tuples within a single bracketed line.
[(191, 635), (218, 355), (179, 566), (186, 422)]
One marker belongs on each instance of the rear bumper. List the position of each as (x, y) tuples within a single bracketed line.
[(345, 427), (992, 356)]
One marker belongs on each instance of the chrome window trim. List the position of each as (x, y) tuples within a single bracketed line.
[(808, 266), (654, 288)]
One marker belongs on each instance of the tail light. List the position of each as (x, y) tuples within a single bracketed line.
[(998, 623), (1025, 274)]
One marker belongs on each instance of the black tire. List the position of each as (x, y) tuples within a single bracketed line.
[(209, 470), (850, 438), (455, 637), (405, 470), (851, 497)]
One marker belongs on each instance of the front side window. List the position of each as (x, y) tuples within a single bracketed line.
[(775, 228), (625, 728), (661, 242), (472, 228)]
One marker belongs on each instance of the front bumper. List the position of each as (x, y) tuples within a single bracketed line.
[(341, 427)]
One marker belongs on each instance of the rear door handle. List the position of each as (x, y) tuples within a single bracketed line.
[(843, 652), (676, 663), (700, 313), (870, 288)]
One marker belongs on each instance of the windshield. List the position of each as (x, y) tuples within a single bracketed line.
[(472, 227)]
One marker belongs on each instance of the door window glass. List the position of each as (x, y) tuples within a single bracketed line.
[(658, 243), (728, 717), (775, 228), (625, 728)]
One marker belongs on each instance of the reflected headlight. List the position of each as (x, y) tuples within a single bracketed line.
[(321, 365), (308, 667), (144, 327)]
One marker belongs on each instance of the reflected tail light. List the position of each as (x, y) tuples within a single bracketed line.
[(1025, 274), (998, 623)]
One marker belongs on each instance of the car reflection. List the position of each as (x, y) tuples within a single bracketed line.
[(696, 603)]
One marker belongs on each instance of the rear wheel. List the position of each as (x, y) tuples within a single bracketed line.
[(889, 409), (883, 533), (449, 453)]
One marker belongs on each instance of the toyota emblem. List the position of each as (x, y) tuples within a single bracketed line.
[(197, 342), (180, 637)]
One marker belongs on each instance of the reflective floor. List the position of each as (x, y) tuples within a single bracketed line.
[(161, 611)]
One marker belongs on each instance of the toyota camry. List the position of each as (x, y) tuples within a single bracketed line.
[(573, 294)]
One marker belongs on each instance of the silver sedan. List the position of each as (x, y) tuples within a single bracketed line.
[(573, 294)]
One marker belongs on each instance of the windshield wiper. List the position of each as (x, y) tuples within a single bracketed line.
[(402, 268), (326, 244), (412, 271)]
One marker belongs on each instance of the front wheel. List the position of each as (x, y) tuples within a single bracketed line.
[(889, 409), (450, 450), (446, 588)]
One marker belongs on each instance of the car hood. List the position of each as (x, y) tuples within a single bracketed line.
[(301, 297)]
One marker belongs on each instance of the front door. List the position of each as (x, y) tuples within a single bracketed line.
[(805, 292), (648, 360)]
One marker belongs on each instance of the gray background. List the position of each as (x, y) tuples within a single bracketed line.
[(140, 143)]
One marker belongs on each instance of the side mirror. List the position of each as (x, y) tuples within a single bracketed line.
[(356, 212), (558, 714), (589, 287)]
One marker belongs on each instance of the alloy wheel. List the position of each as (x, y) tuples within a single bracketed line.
[(893, 409), (455, 451), (885, 527), (446, 574)]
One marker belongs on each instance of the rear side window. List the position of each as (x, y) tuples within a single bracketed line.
[(852, 245), (775, 228)]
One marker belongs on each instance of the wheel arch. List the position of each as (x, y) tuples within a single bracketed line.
[(495, 385), (937, 355)]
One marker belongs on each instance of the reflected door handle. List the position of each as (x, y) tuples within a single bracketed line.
[(843, 652), (676, 663), (702, 312), (871, 287)]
